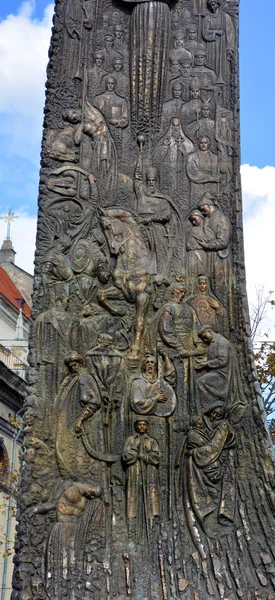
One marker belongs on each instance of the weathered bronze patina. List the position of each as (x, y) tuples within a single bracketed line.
[(147, 469)]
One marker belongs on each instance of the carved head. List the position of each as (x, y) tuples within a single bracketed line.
[(186, 66), (213, 5), (74, 362), (176, 127), (116, 17), (111, 84), (206, 334), (149, 365), (37, 587), (192, 31), (152, 179), (118, 64), (179, 39), (203, 283), (216, 412), (207, 204), (200, 58), (141, 426), (195, 88), (177, 90), (204, 143), (62, 301), (109, 41), (206, 111), (175, 20), (99, 58), (178, 292), (119, 31), (196, 218), (106, 21), (174, 61)]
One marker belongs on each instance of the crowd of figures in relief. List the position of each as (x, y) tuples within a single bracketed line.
[(142, 425)]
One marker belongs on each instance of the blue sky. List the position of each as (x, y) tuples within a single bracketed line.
[(24, 39)]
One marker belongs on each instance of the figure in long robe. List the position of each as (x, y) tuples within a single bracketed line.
[(221, 378), (208, 482), (141, 456), (157, 212), (150, 44), (219, 33)]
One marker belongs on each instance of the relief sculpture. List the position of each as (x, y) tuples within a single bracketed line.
[(146, 465)]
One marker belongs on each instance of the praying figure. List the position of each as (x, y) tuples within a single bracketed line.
[(141, 456)]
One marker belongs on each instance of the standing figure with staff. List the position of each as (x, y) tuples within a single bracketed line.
[(219, 33)]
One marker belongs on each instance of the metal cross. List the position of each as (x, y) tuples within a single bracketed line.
[(9, 217)]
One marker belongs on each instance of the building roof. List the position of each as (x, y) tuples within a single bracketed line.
[(10, 291)]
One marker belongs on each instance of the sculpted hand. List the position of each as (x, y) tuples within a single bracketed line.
[(213, 303), (162, 398), (78, 427)]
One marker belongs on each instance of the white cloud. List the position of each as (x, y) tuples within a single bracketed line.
[(259, 210), (24, 43)]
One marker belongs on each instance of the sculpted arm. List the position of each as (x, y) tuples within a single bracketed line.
[(142, 403)]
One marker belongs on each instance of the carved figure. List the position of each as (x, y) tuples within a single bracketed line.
[(76, 508), (60, 144), (202, 168), (208, 308), (221, 381), (219, 33), (204, 126), (77, 401), (217, 246), (171, 153), (118, 73), (190, 111), (119, 43), (141, 456), (55, 332), (177, 324), (175, 20), (56, 274), (186, 77), (151, 393), (192, 44), (109, 51), (113, 107), (174, 72), (179, 46), (133, 269), (209, 480), (150, 39), (207, 77), (158, 213), (103, 158), (171, 108), (196, 260), (97, 73)]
